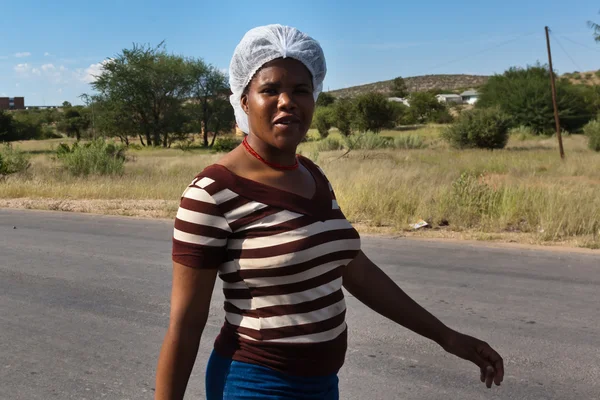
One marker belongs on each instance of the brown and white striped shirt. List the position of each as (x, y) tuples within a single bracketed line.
[(280, 257)]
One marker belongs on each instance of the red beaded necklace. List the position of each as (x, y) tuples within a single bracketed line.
[(270, 164)]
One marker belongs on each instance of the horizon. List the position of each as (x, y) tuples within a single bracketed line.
[(56, 58)]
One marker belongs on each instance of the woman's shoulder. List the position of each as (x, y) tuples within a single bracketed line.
[(307, 162), (213, 178)]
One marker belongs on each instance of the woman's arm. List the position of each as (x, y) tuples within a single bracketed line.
[(369, 284), (190, 303)]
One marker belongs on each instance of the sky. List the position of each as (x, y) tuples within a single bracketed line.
[(50, 50)]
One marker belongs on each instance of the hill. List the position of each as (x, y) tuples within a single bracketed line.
[(442, 83), (583, 78)]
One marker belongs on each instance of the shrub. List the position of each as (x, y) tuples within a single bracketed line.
[(13, 161), (343, 116), (323, 120), (329, 144), (408, 142), (424, 106), (49, 133), (442, 116), (368, 141), (522, 132), (479, 128), (225, 144), (94, 158), (185, 145), (524, 95), (325, 99), (597, 73), (592, 131), (373, 112)]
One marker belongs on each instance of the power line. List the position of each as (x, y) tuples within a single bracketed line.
[(565, 51), (481, 51), (580, 44)]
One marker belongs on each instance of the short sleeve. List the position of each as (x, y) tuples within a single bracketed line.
[(201, 231)]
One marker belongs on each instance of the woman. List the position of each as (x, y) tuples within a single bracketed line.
[(266, 220)]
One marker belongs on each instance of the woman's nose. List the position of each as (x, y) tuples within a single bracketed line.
[(286, 101)]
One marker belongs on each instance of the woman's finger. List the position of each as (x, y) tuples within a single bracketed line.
[(491, 356)]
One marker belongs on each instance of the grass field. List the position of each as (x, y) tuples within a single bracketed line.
[(523, 193)]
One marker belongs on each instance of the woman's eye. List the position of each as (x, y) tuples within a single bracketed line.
[(270, 91)]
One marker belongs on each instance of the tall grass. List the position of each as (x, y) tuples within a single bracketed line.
[(522, 188)]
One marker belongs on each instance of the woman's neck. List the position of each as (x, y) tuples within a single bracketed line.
[(270, 153)]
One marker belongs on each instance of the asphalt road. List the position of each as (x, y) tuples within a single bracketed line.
[(84, 307)]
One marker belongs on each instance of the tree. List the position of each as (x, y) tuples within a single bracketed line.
[(524, 94), (7, 128), (424, 106), (373, 112), (325, 99), (323, 119), (399, 88), (343, 115), (150, 85), (74, 122), (208, 86), (485, 128), (112, 121), (66, 104), (596, 28)]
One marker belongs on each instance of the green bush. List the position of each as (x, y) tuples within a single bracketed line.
[(329, 144), (592, 131), (343, 116), (479, 128), (368, 141), (524, 95), (323, 120), (225, 144), (94, 158), (424, 107), (522, 132), (373, 112), (13, 161), (325, 99), (442, 116), (408, 142)]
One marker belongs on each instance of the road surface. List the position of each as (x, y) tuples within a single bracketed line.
[(84, 307)]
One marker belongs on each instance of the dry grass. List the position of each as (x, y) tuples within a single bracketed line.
[(522, 193)]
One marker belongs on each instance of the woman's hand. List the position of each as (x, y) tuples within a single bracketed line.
[(480, 353)]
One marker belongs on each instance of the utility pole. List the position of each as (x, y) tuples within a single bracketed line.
[(553, 85)]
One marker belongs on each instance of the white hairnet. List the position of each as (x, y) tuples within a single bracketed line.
[(266, 43)]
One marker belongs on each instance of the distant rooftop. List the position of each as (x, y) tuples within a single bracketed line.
[(470, 93), (449, 96)]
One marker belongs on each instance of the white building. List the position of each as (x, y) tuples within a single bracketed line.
[(400, 100), (449, 98), (470, 96)]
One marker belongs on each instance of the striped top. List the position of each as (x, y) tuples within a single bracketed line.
[(281, 258)]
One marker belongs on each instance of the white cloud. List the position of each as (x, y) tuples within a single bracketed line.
[(62, 68), (22, 68), (59, 90), (48, 67), (16, 85), (92, 72), (23, 54), (46, 54), (36, 71), (3, 57)]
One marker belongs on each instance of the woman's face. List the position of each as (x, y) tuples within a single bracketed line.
[(279, 103)]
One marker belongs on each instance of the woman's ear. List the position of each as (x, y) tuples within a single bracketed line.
[(244, 102)]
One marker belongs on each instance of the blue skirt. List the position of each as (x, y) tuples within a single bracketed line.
[(227, 379)]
